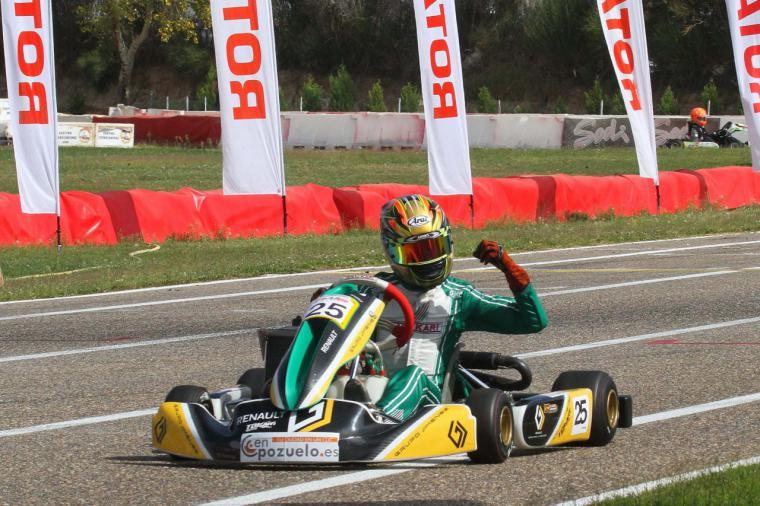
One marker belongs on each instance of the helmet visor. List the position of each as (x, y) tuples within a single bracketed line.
[(420, 249)]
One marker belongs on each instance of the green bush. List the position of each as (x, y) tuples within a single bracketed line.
[(560, 106), (376, 98), (616, 107), (209, 89), (410, 98), (312, 95), (593, 98), (342, 91), (284, 102), (710, 94), (668, 103), (486, 102)]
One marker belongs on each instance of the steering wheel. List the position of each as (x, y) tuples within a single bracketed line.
[(390, 292)]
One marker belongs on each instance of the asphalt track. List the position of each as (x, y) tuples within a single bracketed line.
[(676, 323)]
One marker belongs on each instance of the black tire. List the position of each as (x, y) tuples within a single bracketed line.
[(255, 379), (605, 411), (186, 393), (494, 422)]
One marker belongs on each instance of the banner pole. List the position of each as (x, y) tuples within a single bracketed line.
[(58, 233), (472, 210), (284, 215), (657, 191)]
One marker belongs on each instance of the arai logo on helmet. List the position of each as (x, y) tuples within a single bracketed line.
[(418, 221)]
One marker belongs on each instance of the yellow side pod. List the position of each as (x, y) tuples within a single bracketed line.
[(446, 430), (174, 432)]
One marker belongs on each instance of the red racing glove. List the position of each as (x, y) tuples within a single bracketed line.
[(491, 252)]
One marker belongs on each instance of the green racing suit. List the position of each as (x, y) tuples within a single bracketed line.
[(417, 370)]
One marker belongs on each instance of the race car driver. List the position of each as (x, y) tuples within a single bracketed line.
[(697, 124), (417, 241)]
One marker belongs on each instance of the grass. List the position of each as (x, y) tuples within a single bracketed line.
[(35, 271), (735, 487), (167, 169)]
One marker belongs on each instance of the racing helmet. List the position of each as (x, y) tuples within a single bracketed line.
[(699, 116), (416, 238)]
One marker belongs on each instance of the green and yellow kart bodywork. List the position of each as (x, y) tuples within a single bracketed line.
[(310, 404)]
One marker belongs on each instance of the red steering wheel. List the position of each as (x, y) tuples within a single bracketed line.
[(391, 292)]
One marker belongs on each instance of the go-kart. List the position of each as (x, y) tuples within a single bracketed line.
[(314, 399)]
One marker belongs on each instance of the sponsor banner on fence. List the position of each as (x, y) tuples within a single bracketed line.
[(249, 97), (114, 135), (599, 131), (76, 134), (443, 96), (744, 22), (30, 72), (623, 27)]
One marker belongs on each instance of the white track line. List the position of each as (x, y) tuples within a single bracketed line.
[(652, 485), (351, 478), (161, 302), (312, 287), (542, 353), (634, 283), (67, 424), (152, 342), (641, 337), (330, 271)]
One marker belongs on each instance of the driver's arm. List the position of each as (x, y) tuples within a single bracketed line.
[(522, 314)]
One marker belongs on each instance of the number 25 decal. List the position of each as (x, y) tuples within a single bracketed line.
[(334, 310), (581, 412)]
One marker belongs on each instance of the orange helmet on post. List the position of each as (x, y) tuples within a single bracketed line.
[(699, 116)]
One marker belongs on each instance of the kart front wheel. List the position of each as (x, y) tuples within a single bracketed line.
[(605, 412), (187, 393), (255, 379), (494, 423)]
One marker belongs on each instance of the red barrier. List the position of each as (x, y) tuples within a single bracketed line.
[(679, 191), (561, 195), (85, 219), (192, 214), (728, 187), (175, 129), (19, 228)]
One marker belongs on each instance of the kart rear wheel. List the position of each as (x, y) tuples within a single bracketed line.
[(255, 379), (494, 423), (605, 413)]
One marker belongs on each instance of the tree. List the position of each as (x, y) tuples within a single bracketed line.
[(376, 99), (486, 103), (312, 95), (342, 91), (128, 24), (410, 98), (593, 98), (668, 103), (710, 97)]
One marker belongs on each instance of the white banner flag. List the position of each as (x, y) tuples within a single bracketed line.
[(30, 72), (623, 27), (744, 21), (443, 96), (249, 99)]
